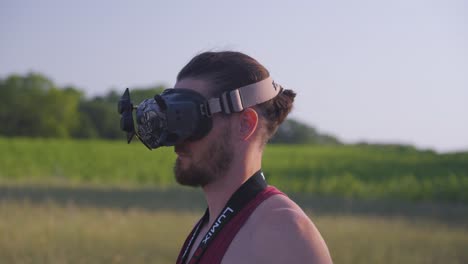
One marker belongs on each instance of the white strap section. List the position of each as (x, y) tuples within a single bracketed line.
[(215, 106), (245, 96)]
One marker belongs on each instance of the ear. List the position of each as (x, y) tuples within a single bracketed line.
[(248, 123)]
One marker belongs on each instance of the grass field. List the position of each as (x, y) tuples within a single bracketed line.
[(345, 171), (41, 225), (93, 201)]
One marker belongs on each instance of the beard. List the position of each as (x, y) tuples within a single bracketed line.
[(212, 163)]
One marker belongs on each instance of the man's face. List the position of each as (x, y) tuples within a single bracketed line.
[(203, 161)]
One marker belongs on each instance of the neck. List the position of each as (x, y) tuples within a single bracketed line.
[(218, 193)]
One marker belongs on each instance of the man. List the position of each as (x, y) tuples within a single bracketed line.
[(246, 222)]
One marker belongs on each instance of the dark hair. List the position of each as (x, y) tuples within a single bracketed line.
[(229, 70)]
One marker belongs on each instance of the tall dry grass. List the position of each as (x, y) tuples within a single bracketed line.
[(51, 232)]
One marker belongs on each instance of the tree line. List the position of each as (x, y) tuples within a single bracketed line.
[(31, 105)]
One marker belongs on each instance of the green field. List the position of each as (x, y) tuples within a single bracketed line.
[(343, 171), (94, 201)]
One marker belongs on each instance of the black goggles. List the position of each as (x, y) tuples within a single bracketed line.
[(177, 115)]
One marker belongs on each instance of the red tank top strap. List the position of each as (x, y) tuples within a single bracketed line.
[(187, 241), (215, 253)]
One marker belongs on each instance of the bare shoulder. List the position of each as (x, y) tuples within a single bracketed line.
[(283, 233)]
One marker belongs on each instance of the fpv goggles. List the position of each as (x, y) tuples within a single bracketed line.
[(177, 115)]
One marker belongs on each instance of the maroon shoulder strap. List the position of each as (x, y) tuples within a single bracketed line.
[(215, 252), (188, 240)]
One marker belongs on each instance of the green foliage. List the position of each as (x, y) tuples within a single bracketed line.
[(347, 171), (95, 161), (369, 172), (294, 132), (32, 105), (100, 117), (139, 94)]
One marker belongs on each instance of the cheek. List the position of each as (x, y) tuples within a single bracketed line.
[(217, 134), (224, 125), (197, 147)]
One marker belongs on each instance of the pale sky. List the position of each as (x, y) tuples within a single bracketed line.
[(376, 71)]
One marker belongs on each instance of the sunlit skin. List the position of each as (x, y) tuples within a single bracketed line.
[(278, 231), (247, 158)]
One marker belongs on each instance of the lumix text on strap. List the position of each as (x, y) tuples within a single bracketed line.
[(238, 200)]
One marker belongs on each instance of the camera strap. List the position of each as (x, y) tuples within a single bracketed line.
[(240, 199)]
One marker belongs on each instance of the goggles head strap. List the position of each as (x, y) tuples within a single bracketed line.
[(244, 97)]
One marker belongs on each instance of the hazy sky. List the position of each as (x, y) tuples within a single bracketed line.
[(379, 71)]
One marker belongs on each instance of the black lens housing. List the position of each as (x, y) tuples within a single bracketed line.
[(174, 116)]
